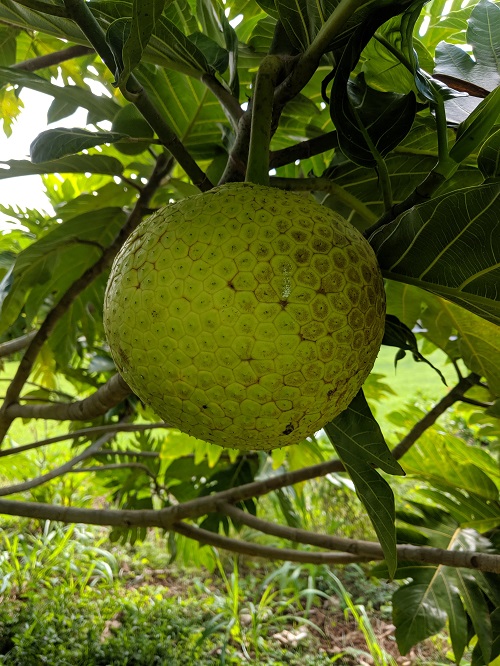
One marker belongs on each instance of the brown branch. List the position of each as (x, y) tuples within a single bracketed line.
[(85, 432), (23, 371), (456, 394), (150, 518), (477, 403), (304, 149), (58, 471), (15, 345), (256, 550), (52, 59), (107, 396)]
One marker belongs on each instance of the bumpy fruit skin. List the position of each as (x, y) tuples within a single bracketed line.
[(245, 316)]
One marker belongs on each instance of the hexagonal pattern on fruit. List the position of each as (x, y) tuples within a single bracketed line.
[(245, 316)]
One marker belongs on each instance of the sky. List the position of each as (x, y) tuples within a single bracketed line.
[(28, 190)]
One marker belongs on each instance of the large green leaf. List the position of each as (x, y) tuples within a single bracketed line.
[(477, 609), (101, 107), (70, 164), (449, 246), (145, 14), (49, 266), (61, 141), (417, 614), (359, 442)]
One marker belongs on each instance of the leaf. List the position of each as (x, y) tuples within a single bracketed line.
[(101, 107), (359, 442), (488, 159), (294, 16), (397, 334), (449, 246), (60, 142), (145, 14), (71, 164), (477, 608), (417, 614), (50, 265)]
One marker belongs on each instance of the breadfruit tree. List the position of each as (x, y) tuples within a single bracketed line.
[(316, 180)]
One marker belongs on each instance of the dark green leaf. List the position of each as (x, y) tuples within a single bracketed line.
[(477, 608), (145, 14), (359, 442), (417, 615), (448, 246), (70, 164), (489, 156), (59, 142)]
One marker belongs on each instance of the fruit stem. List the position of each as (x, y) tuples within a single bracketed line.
[(262, 112)]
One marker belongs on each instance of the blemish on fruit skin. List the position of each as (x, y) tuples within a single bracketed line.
[(299, 287)]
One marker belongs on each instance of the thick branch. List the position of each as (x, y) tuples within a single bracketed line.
[(454, 395), (13, 346), (107, 396), (304, 149), (149, 518), (85, 432), (58, 471), (36, 344), (52, 59)]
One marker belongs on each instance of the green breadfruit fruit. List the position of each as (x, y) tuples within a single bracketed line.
[(129, 121), (245, 316)]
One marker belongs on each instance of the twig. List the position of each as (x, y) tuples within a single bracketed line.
[(304, 149), (325, 185), (456, 394), (85, 432), (107, 396), (229, 103), (477, 403), (58, 471), (103, 468), (15, 345), (23, 371), (52, 59)]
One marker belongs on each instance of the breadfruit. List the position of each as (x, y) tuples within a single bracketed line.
[(245, 316), (129, 121)]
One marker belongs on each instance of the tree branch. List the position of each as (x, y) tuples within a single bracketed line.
[(304, 149), (150, 518), (229, 103), (58, 471), (23, 371), (256, 550), (15, 345), (52, 59), (325, 185), (107, 396), (85, 432), (456, 394)]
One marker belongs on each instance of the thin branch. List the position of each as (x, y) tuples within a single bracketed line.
[(229, 103), (23, 371), (304, 149), (44, 7), (477, 403), (15, 345), (107, 396), (368, 549), (325, 185), (111, 466), (456, 394), (58, 471), (256, 550), (85, 432), (53, 59)]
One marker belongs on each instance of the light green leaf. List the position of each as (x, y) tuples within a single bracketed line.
[(359, 442), (70, 164), (101, 107), (449, 246), (49, 266)]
